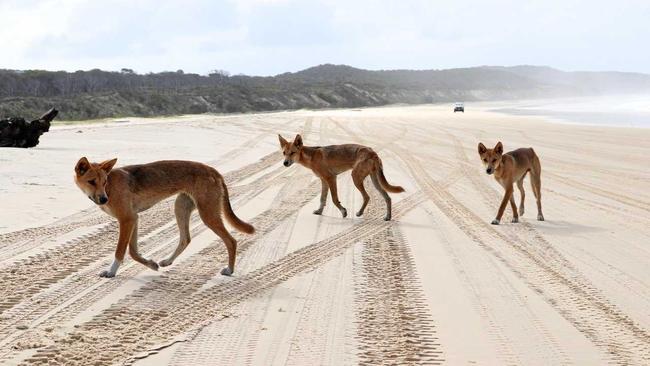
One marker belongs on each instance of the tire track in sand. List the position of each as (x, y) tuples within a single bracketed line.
[(63, 293), (635, 202), (100, 287), (491, 197), (20, 241), (30, 339), (539, 265), (233, 341), (394, 325), (93, 288), (147, 317)]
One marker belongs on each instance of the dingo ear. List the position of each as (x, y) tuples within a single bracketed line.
[(481, 148), (297, 142), (82, 166), (283, 142), (108, 165), (499, 148)]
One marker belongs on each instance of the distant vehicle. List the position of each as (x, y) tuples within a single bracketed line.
[(459, 107)]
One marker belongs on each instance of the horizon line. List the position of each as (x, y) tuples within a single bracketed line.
[(229, 74)]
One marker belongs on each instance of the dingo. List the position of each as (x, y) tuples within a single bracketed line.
[(509, 168), (329, 161), (124, 192)]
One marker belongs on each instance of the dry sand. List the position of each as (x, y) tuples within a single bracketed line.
[(439, 284)]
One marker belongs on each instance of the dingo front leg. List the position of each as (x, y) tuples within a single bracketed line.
[(515, 217), (126, 231), (520, 185), (135, 254), (323, 197), (335, 196), (504, 203)]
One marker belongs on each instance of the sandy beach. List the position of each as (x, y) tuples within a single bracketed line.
[(437, 285)]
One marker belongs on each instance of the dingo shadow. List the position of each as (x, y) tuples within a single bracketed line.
[(412, 225), (60, 148), (566, 227)]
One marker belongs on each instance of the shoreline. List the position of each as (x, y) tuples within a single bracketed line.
[(617, 111), (518, 108)]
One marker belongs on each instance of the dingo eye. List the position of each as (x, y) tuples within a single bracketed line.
[(485, 160), (92, 182), (494, 160)]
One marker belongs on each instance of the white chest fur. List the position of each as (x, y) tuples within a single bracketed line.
[(107, 210)]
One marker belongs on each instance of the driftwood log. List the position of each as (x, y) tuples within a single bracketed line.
[(16, 132)]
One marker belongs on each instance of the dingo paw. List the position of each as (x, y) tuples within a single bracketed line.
[(318, 212), (515, 220), (387, 218), (226, 271), (540, 217), (495, 222), (165, 262), (153, 265), (359, 213), (107, 274), (344, 212), (521, 210)]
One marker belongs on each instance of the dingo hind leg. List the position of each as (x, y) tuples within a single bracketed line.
[(382, 185), (382, 191), (211, 217), (183, 207), (536, 184), (359, 174)]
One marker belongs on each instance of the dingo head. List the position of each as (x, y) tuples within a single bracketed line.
[(491, 157), (291, 151), (91, 178)]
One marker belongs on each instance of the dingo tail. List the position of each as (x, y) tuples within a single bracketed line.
[(384, 183), (235, 221)]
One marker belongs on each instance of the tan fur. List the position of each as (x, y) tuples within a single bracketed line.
[(510, 168), (329, 161), (124, 192)]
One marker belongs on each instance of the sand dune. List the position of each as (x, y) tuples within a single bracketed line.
[(437, 285)]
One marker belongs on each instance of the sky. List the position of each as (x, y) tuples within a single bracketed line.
[(268, 37)]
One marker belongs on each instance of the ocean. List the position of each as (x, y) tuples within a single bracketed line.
[(616, 111)]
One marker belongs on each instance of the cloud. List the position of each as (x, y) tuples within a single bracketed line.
[(273, 36), (26, 23)]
